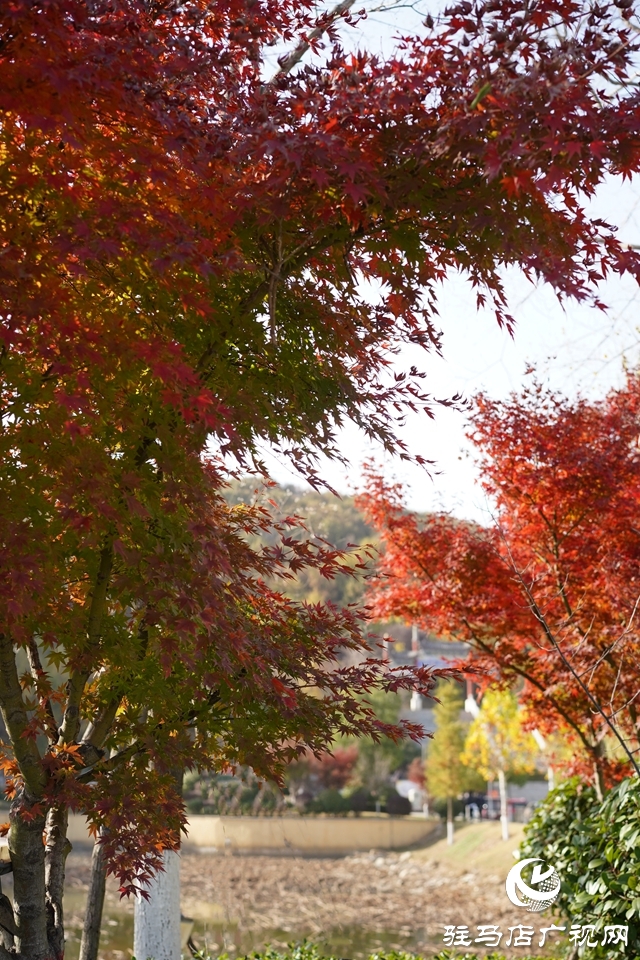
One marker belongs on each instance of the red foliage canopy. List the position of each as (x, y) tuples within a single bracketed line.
[(549, 595), (168, 214), (334, 769)]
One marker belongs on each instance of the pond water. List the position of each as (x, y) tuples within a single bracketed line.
[(116, 939)]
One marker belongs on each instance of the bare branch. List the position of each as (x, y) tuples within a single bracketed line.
[(615, 642), (521, 672), (540, 617), (324, 22)]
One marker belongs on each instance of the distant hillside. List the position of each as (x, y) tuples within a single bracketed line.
[(331, 518)]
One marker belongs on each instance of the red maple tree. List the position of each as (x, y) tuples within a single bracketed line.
[(183, 247), (333, 770), (548, 595)]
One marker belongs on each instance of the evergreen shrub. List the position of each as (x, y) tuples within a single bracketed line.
[(309, 951), (595, 848)]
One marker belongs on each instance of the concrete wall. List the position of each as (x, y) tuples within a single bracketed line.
[(319, 835)]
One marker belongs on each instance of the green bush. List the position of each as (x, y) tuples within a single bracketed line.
[(329, 801), (595, 849), (361, 801), (397, 805), (308, 951)]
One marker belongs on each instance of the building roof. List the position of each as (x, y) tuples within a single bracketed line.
[(422, 648)]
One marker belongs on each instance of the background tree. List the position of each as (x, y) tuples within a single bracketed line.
[(548, 596), (186, 257), (446, 773), (334, 769), (324, 519), (415, 772), (497, 745), (379, 757)]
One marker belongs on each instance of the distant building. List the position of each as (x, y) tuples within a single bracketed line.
[(406, 646)]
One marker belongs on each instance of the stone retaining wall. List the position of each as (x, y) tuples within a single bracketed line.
[(311, 835)]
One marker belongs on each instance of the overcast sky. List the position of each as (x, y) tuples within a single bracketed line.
[(576, 350)]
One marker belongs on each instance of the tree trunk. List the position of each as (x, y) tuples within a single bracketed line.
[(449, 820), (57, 849), (95, 903), (28, 855), (598, 774), (157, 920), (504, 811), (7, 920)]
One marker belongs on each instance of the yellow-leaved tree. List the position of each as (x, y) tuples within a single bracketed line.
[(446, 773), (497, 744)]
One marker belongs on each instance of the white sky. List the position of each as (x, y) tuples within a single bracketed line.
[(576, 350)]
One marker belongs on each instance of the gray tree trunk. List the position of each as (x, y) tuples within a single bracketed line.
[(504, 810), (28, 855), (57, 849), (90, 942)]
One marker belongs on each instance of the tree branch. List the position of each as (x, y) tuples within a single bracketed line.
[(98, 730), (16, 720), (39, 674), (106, 766), (521, 672), (323, 23), (75, 687), (548, 632)]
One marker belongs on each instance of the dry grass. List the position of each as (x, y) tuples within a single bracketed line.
[(352, 905)]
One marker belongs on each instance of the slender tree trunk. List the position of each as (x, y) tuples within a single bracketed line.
[(449, 820), (57, 849), (504, 812), (95, 903), (598, 773), (157, 920), (28, 856)]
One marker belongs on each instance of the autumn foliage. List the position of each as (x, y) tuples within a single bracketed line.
[(333, 770), (548, 596), (186, 250)]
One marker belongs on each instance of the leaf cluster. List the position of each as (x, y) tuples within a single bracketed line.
[(496, 739), (309, 951), (594, 848)]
